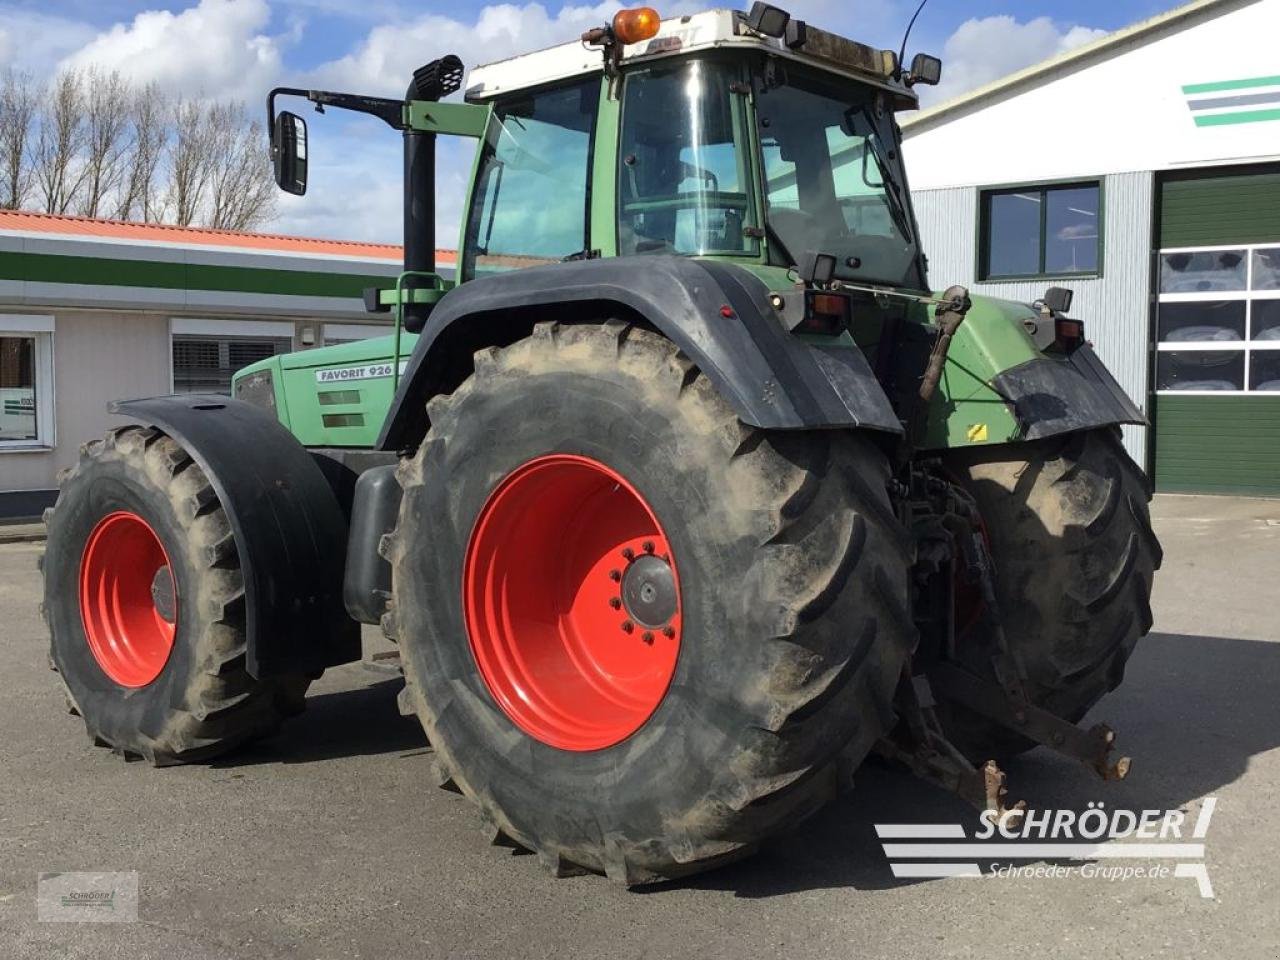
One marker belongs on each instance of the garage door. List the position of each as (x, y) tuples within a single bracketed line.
[(1217, 403)]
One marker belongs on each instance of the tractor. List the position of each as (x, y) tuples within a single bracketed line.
[(684, 496)]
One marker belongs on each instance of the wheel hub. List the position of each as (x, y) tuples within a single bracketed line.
[(649, 591)]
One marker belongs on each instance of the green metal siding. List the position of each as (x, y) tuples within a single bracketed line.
[(1218, 444), (1210, 209), (182, 276)]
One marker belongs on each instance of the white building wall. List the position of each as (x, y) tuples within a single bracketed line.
[(1125, 107), (1115, 307)]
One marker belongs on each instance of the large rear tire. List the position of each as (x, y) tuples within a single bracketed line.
[(1070, 534), (581, 463), (144, 598)]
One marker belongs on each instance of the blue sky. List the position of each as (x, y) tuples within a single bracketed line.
[(240, 48)]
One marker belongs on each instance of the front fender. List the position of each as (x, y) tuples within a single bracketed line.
[(290, 532), (772, 378)]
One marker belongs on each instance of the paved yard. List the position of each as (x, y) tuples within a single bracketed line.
[(328, 842)]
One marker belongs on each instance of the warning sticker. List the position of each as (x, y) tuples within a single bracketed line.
[(977, 433)]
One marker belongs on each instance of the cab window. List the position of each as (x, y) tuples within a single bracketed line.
[(530, 202), (682, 173)]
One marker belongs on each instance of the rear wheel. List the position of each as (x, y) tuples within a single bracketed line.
[(144, 599), (1068, 527), (638, 633)]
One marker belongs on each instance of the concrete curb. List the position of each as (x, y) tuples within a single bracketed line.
[(23, 534)]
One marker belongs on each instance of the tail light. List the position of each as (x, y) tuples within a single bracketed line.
[(824, 313), (1068, 334)]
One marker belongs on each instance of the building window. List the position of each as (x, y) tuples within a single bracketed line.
[(26, 382), (1040, 231), (1218, 320), (207, 353)]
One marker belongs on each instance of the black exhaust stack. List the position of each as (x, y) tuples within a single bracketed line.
[(433, 82)]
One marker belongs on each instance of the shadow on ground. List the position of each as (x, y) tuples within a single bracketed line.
[(1191, 713), (345, 723)]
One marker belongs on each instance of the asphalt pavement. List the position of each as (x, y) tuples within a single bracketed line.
[(329, 841)]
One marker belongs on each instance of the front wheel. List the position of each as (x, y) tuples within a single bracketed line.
[(1070, 535), (638, 633), (144, 598)]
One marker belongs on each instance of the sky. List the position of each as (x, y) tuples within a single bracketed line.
[(241, 48)]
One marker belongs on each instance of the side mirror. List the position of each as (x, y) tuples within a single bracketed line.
[(925, 69), (289, 152)]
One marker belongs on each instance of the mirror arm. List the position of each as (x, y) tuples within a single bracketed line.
[(389, 111)]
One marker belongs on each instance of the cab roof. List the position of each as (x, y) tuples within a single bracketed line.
[(713, 29)]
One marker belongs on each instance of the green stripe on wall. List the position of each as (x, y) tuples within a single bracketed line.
[(50, 268), (1218, 444), (1231, 85), (1239, 116)]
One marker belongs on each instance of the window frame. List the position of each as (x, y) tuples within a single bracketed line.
[(749, 158), (1247, 345), (1043, 187), (465, 268), (41, 328)]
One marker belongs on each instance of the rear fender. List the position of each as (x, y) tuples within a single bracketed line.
[(717, 314), (290, 532)]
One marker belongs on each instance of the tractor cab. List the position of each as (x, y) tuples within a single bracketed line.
[(703, 136)]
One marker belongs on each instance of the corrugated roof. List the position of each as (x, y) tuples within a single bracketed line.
[(1111, 44), (56, 224)]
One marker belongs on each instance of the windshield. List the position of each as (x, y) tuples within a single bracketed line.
[(833, 176)]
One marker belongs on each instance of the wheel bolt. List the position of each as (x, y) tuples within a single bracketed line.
[(668, 631), (629, 553), (648, 546), (647, 637), (615, 602), (615, 576), (627, 626)]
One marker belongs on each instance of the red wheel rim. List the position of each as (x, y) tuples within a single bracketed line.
[(128, 599), (572, 602)]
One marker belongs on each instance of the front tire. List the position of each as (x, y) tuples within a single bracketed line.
[(781, 652), (144, 599)]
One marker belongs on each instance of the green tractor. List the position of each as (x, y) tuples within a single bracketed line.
[(680, 499)]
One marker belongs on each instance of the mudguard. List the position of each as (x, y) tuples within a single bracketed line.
[(1049, 397), (289, 530), (718, 314)]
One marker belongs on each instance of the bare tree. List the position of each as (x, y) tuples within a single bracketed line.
[(242, 193), (136, 197), (106, 145), (59, 166), (17, 114), (190, 162)]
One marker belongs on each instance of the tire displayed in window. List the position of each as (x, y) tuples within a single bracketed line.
[(1070, 534), (144, 599), (639, 634)]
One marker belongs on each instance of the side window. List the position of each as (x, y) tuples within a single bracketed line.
[(530, 202), (682, 174)]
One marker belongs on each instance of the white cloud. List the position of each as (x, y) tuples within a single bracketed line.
[(34, 41), (985, 49), (217, 48)]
